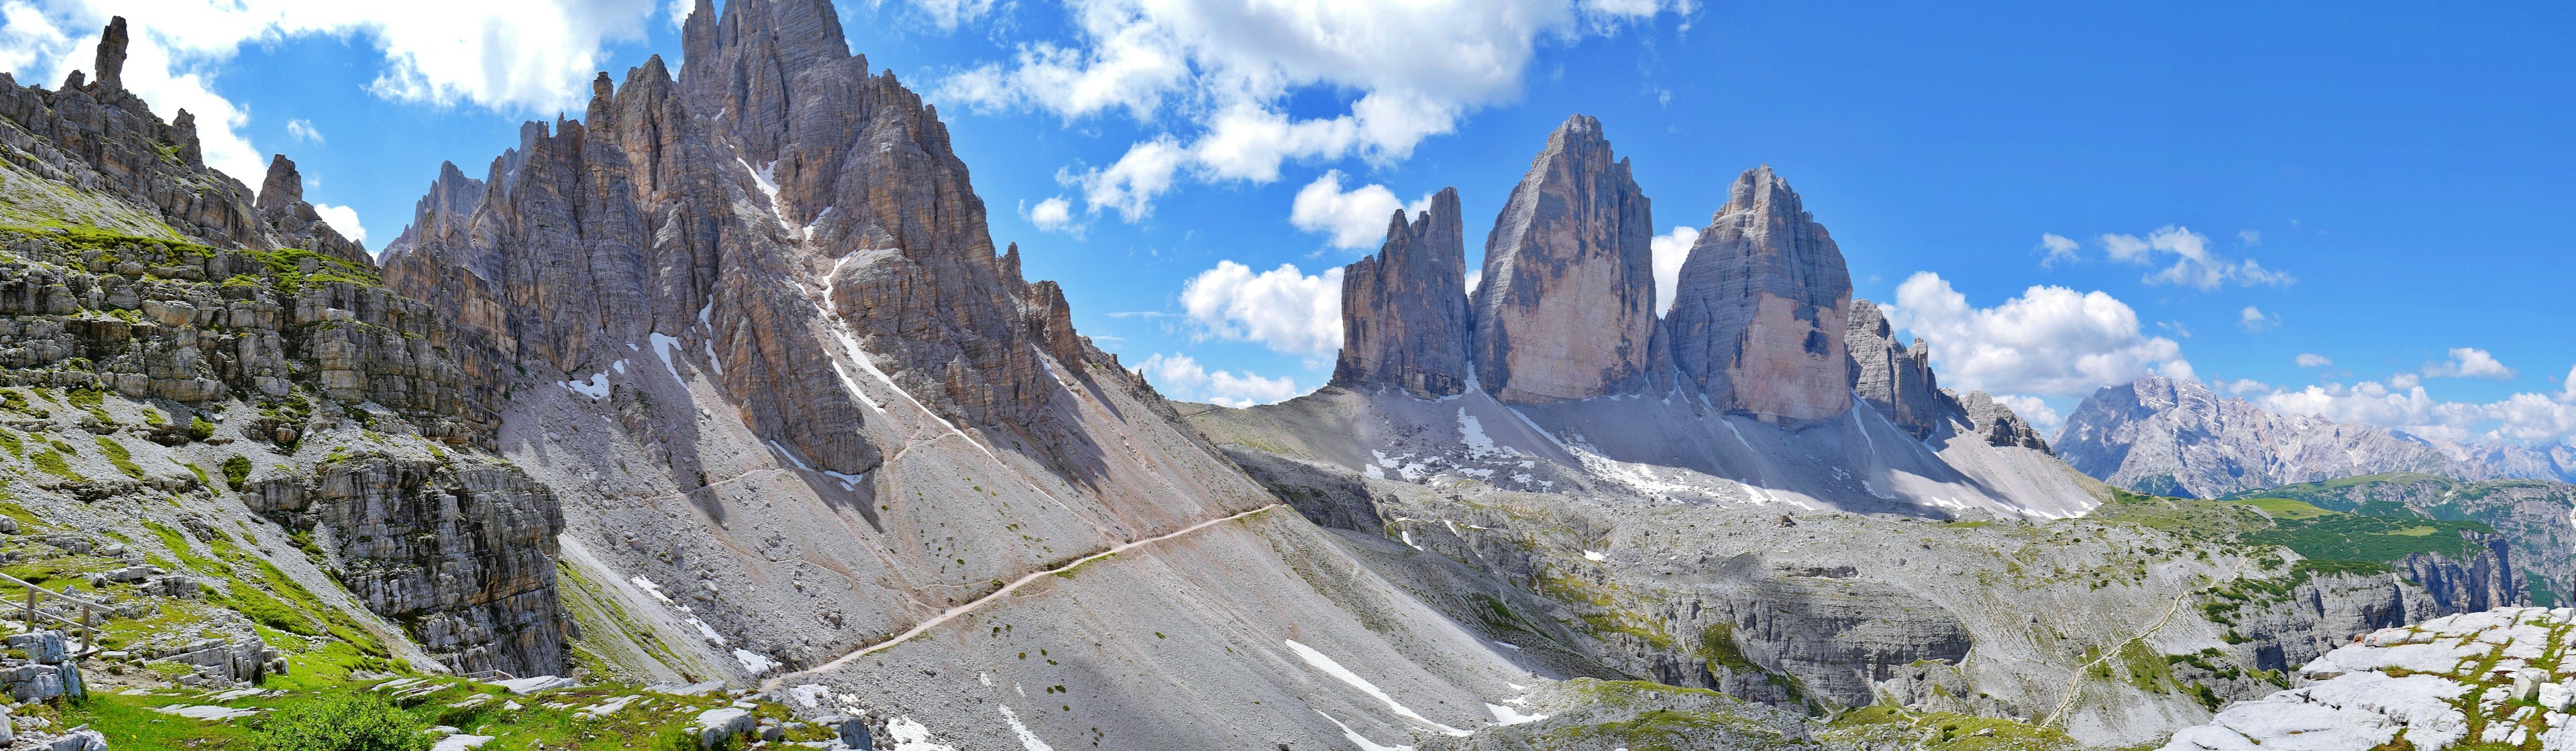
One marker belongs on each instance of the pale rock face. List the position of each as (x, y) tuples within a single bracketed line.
[(2177, 438), (442, 211), (1895, 379), (2420, 682), (1404, 310), (1759, 318), (1566, 309)]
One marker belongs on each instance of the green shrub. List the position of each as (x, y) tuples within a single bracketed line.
[(236, 471), (351, 721), (118, 456), (199, 429)]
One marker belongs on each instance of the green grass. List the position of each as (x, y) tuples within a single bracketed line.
[(50, 461), (2346, 537), (2284, 508), (117, 455)]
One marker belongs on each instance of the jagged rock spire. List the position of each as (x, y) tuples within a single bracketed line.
[(283, 187), (1566, 309), (1759, 317), (1895, 379), (110, 64), (1404, 310)]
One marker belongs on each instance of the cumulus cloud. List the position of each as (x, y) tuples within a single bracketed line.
[(1282, 309), (2254, 319), (2050, 341), (2470, 362), (1671, 248), (1349, 220), (1223, 71), (1181, 376), (343, 219), (302, 130), (1052, 214), (2180, 257), (2401, 402), (2312, 360), (521, 56)]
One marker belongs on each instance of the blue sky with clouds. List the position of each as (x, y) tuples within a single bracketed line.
[(2359, 214)]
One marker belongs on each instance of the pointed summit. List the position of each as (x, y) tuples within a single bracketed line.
[(1404, 310), (1567, 306), (1759, 318), (110, 64)]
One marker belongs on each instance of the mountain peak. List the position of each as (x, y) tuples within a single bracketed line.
[(1404, 310), (1566, 309), (1760, 316)]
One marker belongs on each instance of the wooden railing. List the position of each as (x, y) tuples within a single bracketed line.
[(35, 595)]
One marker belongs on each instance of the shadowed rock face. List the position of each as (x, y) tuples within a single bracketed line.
[(1404, 310), (1566, 308), (1759, 318), (776, 208), (1895, 379)]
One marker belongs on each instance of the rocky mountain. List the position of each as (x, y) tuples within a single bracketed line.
[(1404, 310), (1758, 320), (2160, 435), (197, 380), (2536, 519), (1566, 307)]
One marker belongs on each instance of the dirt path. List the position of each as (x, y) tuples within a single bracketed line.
[(2075, 687), (943, 617)]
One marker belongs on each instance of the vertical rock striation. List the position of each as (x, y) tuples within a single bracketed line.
[(1895, 379), (1404, 310), (1758, 320), (1566, 308)]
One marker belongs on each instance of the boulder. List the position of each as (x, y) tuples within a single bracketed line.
[(717, 725)]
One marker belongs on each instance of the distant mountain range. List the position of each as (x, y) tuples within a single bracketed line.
[(2159, 435)]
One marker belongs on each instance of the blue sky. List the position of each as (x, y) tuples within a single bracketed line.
[(2384, 188)]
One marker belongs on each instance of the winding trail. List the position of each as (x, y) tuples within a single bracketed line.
[(944, 616), (2074, 688)]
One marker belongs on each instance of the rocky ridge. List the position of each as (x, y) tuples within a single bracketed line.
[(1404, 310), (2490, 679), (2161, 435), (165, 338)]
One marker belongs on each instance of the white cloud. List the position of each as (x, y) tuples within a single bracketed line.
[(2254, 319), (2059, 247), (2050, 341), (508, 56), (2402, 403), (1670, 249), (2469, 362), (2248, 238), (1475, 276), (1130, 184), (2031, 408), (2312, 360), (1224, 69), (342, 219), (1180, 376), (1353, 220), (2193, 265), (1052, 214), (1282, 309), (945, 14), (303, 130)]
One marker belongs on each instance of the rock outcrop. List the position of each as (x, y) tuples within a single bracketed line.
[(2170, 437), (442, 211), (776, 208), (2414, 686), (1566, 307), (460, 552), (1980, 415), (1759, 317), (1895, 379), (1404, 310)]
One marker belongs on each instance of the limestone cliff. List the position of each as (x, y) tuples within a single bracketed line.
[(1895, 379), (1759, 318), (1566, 307), (1404, 310)]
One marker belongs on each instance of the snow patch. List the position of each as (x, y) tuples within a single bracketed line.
[(712, 360), (1028, 741), (663, 345), (1319, 661), (910, 735), (651, 588), (811, 695), (791, 456), (596, 387), (1360, 740), (754, 662), (1508, 716), (1595, 555)]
